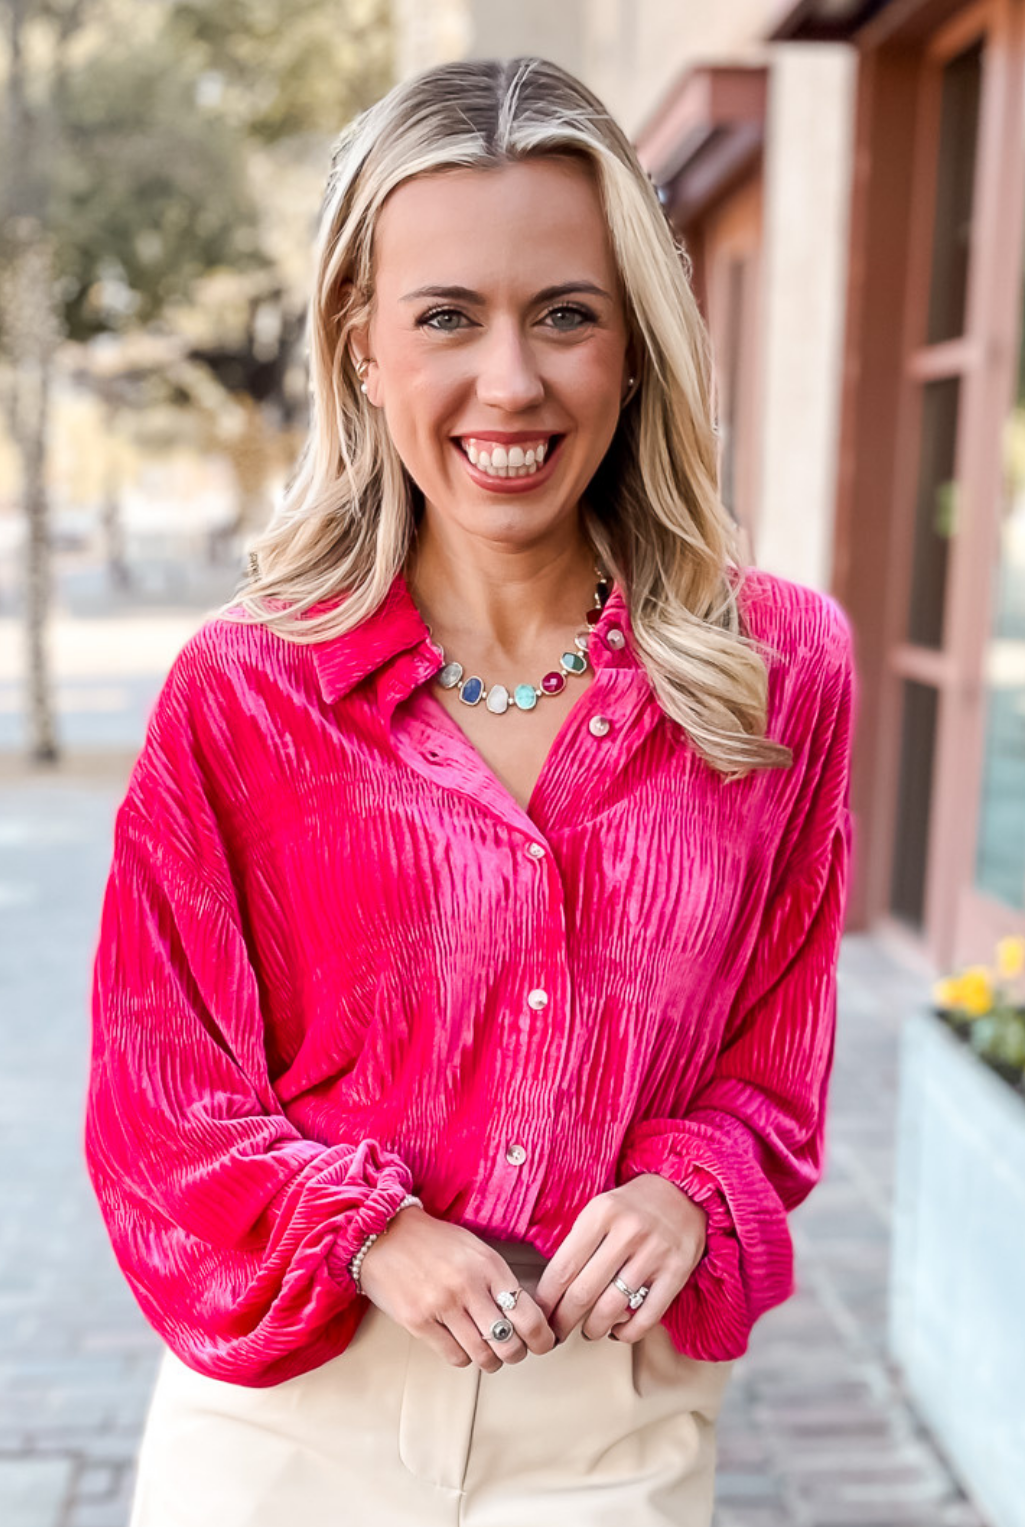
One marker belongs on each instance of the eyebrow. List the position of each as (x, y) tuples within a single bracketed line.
[(466, 294)]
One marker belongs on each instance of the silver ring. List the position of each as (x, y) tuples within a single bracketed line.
[(635, 1296), (501, 1329), (507, 1299)]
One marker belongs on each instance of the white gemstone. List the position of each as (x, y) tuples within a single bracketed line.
[(449, 676), (498, 699)]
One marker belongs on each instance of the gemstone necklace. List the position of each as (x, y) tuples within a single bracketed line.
[(498, 699)]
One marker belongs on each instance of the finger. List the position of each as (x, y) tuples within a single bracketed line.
[(533, 1330), (631, 1325), (484, 1315), (587, 1288), (570, 1257), (487, 1355), (613, 1304), (440, 1338)]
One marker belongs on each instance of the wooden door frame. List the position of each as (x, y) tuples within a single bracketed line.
[(898, 115)]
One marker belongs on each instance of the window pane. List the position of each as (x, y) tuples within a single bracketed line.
[(1000, 854), (935, 512), (955, 187), (918, 737)]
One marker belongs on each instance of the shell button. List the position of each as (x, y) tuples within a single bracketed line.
[(536, 850), (598, 726), (515, 1155), (614, 637), (538, 998)]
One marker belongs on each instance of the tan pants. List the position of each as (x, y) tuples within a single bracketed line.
[(389, 1434)]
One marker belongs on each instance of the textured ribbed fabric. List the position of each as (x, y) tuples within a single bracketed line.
[(325, 916)]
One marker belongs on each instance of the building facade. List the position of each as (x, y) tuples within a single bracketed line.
[(847, 177)]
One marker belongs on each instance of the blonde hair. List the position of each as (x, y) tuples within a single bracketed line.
[(653, 512)]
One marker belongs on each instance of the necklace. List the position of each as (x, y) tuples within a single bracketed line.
[(498, 698)]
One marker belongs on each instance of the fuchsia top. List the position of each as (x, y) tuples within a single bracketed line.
[(337, 963)]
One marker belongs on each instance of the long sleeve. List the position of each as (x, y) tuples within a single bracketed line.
[(750, 1146), (233, 1230)]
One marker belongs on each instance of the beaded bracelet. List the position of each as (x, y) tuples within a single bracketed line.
[(357, 1261)]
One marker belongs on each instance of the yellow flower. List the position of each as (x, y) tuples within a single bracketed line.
[(947, 993), (976, 990), (1011, 956)]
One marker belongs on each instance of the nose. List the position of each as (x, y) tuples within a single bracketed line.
[(508, 375)]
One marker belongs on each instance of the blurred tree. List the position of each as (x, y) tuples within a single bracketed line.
[(148, 191), (283, 68), (126, 177)]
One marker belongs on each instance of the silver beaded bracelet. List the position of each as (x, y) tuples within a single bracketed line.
[(357, 1261)]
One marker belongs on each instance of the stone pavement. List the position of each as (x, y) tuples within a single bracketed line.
[(815, 1431)]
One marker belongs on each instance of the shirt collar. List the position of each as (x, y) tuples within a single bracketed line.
[(395, 626)]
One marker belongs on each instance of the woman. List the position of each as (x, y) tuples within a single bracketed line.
[(465, 991)]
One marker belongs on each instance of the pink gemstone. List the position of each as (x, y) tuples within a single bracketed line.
[(553, 682)]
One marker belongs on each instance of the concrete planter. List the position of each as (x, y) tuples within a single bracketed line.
[(957, 1274)]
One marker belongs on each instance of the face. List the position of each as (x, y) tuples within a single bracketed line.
[(498, 340)]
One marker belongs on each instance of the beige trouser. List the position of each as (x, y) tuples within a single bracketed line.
[(389, 1434)]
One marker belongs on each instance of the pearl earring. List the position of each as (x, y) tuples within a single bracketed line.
[(361, 371)]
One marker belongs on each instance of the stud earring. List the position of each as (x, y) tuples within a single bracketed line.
[(361, 371)]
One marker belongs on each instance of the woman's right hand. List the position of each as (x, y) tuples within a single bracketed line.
[(439, 1280)]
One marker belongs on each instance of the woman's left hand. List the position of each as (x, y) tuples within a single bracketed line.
[(647, 1231)]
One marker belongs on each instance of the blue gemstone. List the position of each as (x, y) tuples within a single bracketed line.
[(472, 690), (525, 696)]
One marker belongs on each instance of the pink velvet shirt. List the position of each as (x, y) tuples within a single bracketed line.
[(337, 963)]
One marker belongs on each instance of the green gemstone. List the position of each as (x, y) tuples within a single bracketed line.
[(573, 662), (525, 696)]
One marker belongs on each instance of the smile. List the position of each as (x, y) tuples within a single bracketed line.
[(517, 459)]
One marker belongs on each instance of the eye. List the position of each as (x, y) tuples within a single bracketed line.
[(570, 317), (440, 319)]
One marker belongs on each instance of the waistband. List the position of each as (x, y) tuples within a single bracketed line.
[(516, 1253)]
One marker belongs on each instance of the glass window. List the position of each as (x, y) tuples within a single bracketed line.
[(914, 797), (935, 512), (1000, 852), (955, 189)]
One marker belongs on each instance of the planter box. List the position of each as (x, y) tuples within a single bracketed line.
[(957, 1273)]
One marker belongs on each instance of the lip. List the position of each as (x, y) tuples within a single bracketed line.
[(506, 437), (510, 484)]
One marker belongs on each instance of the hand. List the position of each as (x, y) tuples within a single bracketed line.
[(645, 1231), (439, 1280)]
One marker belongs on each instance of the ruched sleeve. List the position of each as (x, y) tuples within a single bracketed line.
[(233, 1230), (751, 1145)]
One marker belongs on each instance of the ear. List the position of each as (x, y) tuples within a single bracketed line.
[(631, 370)]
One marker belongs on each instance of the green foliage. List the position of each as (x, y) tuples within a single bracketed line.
[(148, 193), (289, 67)]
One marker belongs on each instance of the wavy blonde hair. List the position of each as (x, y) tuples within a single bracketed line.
[(349, 513)]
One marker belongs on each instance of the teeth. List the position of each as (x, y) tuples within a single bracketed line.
[(498, 461)]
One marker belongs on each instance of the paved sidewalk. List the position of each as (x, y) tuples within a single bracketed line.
[(815, 1432)]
